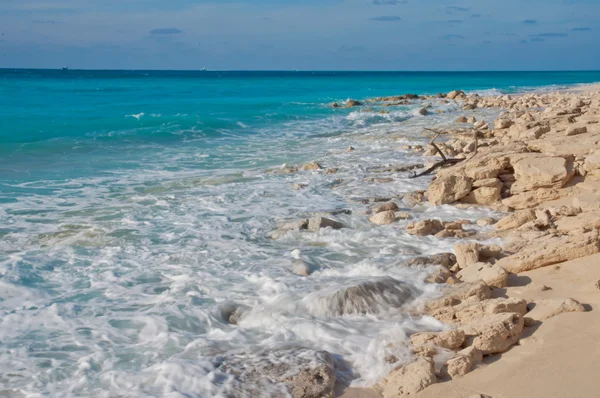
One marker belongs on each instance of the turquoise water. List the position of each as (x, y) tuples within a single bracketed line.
[(133, 205)]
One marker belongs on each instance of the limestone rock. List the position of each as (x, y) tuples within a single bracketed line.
[(494, 333), (502, 124), (484, 222), (312, 166), (450, 339), (289, 226), (425, 227), (487, 183), (550, 250), (233, 312), (423, 112), (545, 309), (516, 219), (462, 119), (390, 206), (460, 365), (316, 223), (304, 373), (469, 312), (458, 294), (367, 297), (301, 267), (412, 199), (409, 379), (483, 196), (383, 218), (446, 260), (472, 120), (576, 131), (350, 103), (492, 275), (455, 94), (541, 172), (449, 189), (466, 254)]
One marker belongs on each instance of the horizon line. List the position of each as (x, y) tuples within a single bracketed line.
[(301, 70)]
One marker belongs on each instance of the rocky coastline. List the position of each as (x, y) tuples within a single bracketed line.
[(538, 164)]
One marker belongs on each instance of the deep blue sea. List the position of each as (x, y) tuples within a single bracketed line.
[(135, 204)]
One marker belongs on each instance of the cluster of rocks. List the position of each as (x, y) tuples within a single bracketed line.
[(549, 185)]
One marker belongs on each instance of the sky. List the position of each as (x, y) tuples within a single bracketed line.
[(301, 34)]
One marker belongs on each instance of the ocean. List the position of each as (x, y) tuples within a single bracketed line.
[(136, 205)]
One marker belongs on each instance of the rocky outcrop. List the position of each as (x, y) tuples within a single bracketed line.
[(466, 254), (450, 339), (454, 295), (471, 311), (550, 250)]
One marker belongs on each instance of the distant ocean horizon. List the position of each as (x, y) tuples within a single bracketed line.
[(136, 207)]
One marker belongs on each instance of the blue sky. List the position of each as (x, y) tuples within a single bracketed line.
[(308, 34)]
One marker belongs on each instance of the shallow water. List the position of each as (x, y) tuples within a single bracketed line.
[(134, 205)]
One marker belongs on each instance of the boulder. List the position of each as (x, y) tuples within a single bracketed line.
[(495, 333), (368, 297), (459, 365), (458, 294), (576, 131), (487, 168), (332, 170), (455, 94), (350, 103), (424, 227), (545, 309), (492, 275), (312, 166), (446, 260), (541, 172), (469, 312), (448, 189), (472, 120), (349, 149), (390, 206), (300, 372), (289, 226), (484, 222), (449, 339), (412, 199), (383, 218), (301, 267), (316, 223), (462, 119), (466, 254), (409, 379), (502, 124), (423, 112), (299, 186), (232, 312), (516, 219), (550, 249), (480, 124)]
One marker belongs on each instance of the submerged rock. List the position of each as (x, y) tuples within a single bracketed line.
[(301, 267), (316, 223), (286, 227), (383, 218), (299, 372), (233, 312), (368, 297)]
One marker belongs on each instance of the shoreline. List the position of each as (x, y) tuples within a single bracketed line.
[(537, 293)]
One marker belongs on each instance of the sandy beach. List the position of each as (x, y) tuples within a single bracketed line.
[(521, 316)]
